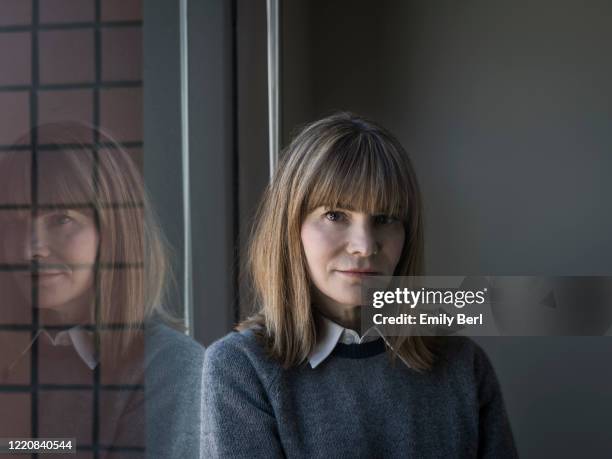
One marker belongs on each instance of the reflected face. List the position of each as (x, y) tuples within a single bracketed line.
[(63, 244), (343, 248)]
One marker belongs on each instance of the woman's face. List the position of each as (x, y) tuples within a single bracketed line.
[(61, 246), (343, 247)]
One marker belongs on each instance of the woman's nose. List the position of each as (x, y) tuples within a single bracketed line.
[(362, 240), (35, 244)]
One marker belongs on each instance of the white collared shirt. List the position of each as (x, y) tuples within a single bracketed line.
[(81, 339), (329, 334)]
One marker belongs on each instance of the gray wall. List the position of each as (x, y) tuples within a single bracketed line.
[(505, 107), (252, 129)]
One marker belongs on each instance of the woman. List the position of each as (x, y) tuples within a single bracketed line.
[(298, 380), (85, 270)]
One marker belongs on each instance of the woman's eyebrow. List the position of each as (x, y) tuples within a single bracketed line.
[(60, 210), (341, 207), (52, 210)]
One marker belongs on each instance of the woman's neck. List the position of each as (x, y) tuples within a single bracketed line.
[(347, 317), (77, 312)]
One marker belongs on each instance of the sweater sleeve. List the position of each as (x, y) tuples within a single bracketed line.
[(495, 433), (238, 419)]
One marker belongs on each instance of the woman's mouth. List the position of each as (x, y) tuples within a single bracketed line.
[(45, 277), (358, 273)]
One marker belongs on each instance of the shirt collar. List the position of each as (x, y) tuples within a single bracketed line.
[(80, 339), (83, 342), (329, 334)]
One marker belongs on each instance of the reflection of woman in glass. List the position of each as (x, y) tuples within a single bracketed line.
[(298, 379), (83, 317)]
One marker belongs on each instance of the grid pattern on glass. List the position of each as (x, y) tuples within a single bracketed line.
[(67, 63)]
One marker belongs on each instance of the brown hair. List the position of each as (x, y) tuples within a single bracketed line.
[(342, 161)]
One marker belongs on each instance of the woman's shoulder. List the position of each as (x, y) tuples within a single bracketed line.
[(241, 353), (163, 342), (173, 391), (238, 344), (462, 355)]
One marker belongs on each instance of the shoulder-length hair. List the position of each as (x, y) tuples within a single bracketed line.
[(74, 165), (342, 161)]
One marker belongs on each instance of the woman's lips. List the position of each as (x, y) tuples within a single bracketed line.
[(358, 273), (45, 277)]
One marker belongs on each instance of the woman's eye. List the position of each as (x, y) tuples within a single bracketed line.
[(61, 219), (384, 219), (334, 216)]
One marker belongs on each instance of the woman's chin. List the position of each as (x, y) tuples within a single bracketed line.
[(51, 302), (350, 299), (55, 309)]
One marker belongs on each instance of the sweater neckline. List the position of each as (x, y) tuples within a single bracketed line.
[(360, 351)]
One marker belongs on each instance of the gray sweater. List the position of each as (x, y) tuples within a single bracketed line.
[(355, 404), (173, 388), (167, 415)]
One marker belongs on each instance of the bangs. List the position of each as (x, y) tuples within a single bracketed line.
[(362, 174), (59, 178)]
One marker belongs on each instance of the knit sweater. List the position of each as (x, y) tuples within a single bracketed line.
[(173, 386), (357, 403)]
